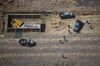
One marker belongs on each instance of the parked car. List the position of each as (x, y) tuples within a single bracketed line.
[(27, 42), (78, 26), (66, 15)]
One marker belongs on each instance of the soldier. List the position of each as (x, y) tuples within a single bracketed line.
[(91, 27), (64, 57), (69, 32), (88, 22), (69, 26), (61, 42), (64, 37)]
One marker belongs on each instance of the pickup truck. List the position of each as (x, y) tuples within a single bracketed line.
[(27, 42), (78, 26), (66, 15)]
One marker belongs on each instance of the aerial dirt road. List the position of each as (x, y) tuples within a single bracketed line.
[(77, 50), (84, 51)]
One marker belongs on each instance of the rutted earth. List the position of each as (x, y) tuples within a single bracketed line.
[(72, 53), (79, 50)]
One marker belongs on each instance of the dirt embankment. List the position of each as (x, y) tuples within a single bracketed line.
[(49, 6)]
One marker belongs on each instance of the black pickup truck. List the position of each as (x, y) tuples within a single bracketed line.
[(27, 42), (78, 26), (66, 15)]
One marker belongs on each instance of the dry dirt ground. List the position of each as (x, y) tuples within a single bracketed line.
[(79, 7), (78, 49)]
